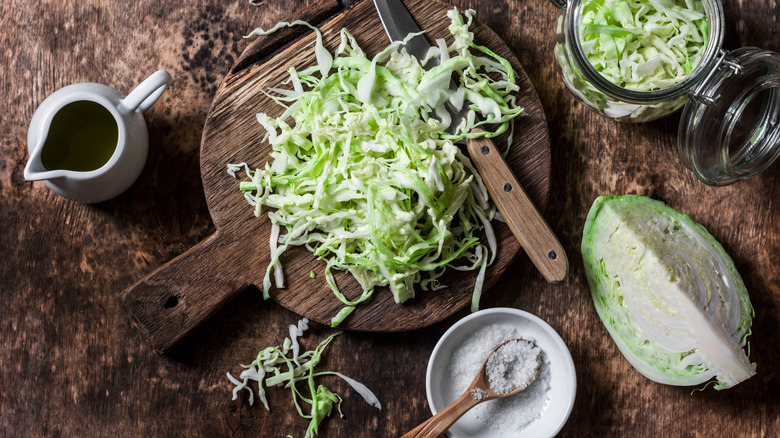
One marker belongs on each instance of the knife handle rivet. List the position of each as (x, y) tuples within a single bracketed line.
[(552, 255), (507, 187), (485, 150)]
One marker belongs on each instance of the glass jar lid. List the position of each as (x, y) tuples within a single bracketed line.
[(730, 127)]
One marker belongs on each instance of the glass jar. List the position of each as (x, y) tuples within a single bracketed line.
[(729, 127)]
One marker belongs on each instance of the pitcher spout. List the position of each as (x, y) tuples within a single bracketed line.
[(36, 171)]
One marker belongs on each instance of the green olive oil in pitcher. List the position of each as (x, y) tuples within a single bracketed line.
[(83, 137), (89, 142)]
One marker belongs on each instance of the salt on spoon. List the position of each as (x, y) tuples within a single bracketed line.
[(510, 368)]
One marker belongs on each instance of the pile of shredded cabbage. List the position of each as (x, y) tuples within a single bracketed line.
[(644, 45), (364, 173), (299, 368)]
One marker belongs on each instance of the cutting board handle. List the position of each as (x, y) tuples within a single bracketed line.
[(174, 300)]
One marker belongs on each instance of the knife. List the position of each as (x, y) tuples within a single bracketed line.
[(519, 212)]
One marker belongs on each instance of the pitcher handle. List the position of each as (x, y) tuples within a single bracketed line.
[(147, 92)]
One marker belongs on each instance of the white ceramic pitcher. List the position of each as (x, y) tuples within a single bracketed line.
[(111, 124)]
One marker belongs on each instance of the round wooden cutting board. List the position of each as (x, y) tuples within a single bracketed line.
[(175, 299)]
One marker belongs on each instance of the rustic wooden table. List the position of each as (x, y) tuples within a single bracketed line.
[(72, 362)]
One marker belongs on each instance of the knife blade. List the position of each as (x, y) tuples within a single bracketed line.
[(527, 224), (398, 23)]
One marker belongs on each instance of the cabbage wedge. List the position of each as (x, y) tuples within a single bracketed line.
[(667, 292)]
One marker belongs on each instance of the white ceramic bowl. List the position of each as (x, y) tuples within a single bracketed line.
[(563, 379)]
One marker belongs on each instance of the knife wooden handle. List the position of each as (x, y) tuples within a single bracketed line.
[(525, 221)]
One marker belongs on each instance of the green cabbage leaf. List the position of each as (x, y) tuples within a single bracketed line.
[(667, 292)]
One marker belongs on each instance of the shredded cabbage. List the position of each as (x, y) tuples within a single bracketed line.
[(271, 362), (364, 172), (667, 292), (643, 45)]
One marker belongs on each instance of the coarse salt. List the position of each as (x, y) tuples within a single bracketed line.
[(502, 415), (478, 393), (512, 366)]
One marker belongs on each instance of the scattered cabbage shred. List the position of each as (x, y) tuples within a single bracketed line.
[(286, 366), (644, 45), (366, 174), (667, 292)]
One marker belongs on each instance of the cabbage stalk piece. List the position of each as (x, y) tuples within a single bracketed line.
[(667, 292)]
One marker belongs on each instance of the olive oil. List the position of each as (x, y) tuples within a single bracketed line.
[(83, 136)]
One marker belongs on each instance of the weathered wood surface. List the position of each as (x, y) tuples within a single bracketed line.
[(175, 299), (72, 362)]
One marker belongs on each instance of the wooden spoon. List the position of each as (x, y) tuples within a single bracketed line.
[(479, 391)]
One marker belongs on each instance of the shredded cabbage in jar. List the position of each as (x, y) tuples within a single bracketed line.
[(364, 173), (644, 45)]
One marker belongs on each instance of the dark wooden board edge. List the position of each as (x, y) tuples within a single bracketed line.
[(263, 48)]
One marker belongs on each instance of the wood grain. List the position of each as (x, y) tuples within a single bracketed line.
[(171, 302), (519, 212), (73, 364)]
